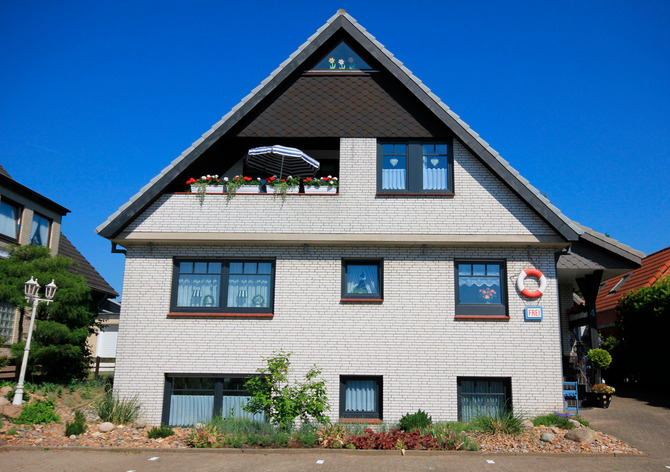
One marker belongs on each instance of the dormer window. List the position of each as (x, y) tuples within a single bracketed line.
[(39, 233), (619, 284), (342, 57), (10, 219)]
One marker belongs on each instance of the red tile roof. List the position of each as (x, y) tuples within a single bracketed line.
[(654, 267)]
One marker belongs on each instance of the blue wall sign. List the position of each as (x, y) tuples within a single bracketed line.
[(533, 313)]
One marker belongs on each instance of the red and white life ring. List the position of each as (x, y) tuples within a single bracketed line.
[(531, 273)]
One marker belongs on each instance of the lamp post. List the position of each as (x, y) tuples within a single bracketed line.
[(31, 290)]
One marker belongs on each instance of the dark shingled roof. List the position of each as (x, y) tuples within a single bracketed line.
[(84, 268), (4, 172)]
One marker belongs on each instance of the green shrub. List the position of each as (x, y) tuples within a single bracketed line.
[(508, 423), (553, 420), (282, 438), (307, 435), (161, 431), (582, 421), (599, 358), (419, 420), (11, 431), (78, 426), (38, 412), (111, 408)]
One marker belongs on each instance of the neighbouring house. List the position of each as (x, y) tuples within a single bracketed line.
[(401, 286), (654, 267), (27, 217)]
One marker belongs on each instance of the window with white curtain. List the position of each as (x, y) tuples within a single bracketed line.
[(483, 396), (10, 219), (223, 286), (360, 396), (39, 232), (480, 288), (415, 167), (192, 399), (362, 279)]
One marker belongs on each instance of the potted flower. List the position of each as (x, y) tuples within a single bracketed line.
[(205, 184), (242, 184), (283, 186), (603, 394), (321, 185)]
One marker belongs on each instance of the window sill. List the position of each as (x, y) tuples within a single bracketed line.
[(415, 194), (481, 318), (361, 420), (220, 315), (362, 300)]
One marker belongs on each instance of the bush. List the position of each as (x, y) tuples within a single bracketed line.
[(599, 358), (38, 412), (306, 435), (161, 431), (419, 420), (333, 436), (398, 439), (111, 408), (78, 426), (554, 419), (508, 423)]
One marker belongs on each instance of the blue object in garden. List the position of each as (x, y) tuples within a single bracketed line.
[(570, 397)]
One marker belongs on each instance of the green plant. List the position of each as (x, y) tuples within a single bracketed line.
[(11, 431), (282, 402), (161, 431), (602, 388), (238, 181), (599, 358), (38, 412), (333, 435), (582, 421), (508, 423), (202, 183), (4, 360), (281, 186), (204, 436), (419, 420), (553, 419), (307, 437), (329, 181), (111, 408), (282, 438), (78, 426)]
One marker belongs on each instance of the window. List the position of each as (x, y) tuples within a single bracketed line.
[(483, 396), (233, 286), (362, 279), (10, 219), (342, 57), (414, 168), (361, 397), (7, 314), (480, 289), (197, 399), (39, 233)]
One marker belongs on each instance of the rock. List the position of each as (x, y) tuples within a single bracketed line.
[(105, 427), (547, 437), (577, 424), (11, 411), (526, 424), (555, 430), (4, 401), (582, 435), (139, 424), (4, 391)]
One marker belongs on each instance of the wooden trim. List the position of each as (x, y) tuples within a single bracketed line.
[(220, 315), (362, 300), (481, 318)]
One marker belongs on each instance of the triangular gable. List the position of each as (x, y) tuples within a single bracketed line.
[(342, 21), (342, 57)]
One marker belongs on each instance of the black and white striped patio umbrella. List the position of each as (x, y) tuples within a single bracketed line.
[(282, 160)]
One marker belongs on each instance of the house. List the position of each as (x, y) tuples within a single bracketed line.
[(402, 287), (27, 217), (655, 267)]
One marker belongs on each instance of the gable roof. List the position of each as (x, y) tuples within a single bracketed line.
[(343, 21), (654, 267), (84, 268)]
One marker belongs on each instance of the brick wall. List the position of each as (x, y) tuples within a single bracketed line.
[(412, 339)]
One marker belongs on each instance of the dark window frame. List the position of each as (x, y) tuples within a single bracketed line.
[(363, 296), (482, 310), (507, 387), (19, 221), (51, 222), (415, 167), (378, 414), (218, 390), (223, 294)]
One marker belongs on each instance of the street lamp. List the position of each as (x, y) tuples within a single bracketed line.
[(31, 290)]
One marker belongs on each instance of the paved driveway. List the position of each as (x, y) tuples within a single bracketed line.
[(640, 419)]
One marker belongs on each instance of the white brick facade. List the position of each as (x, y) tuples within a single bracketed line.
[(411, 339)]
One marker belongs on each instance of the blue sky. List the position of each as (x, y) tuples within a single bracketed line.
[(97, 97)]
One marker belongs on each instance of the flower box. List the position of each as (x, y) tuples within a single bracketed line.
[(208, 188), (271, 189), (249, 189), (323, 189)]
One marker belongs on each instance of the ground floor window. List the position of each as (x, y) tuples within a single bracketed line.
[(191, 399), (361, 397), (7, 314), (483, 396)]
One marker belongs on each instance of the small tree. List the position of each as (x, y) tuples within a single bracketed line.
[(61, 328), (282, 402)]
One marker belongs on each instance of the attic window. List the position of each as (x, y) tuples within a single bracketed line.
[(619, 284), (342, 57)]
